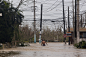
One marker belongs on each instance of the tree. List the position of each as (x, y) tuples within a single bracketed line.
[(26, 34), (10, 18)]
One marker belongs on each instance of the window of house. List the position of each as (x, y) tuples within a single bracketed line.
[(82, 34)]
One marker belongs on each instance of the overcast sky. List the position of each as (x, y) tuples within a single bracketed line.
[(52, 9)]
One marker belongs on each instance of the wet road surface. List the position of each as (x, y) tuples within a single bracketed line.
[(52, 50)]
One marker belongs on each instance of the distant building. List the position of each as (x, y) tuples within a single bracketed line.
[(82, 33)]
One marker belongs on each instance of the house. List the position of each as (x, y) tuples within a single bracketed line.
[(82, 33)]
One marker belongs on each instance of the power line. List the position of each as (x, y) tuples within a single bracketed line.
[(49, 9), (53, 4), (54, 7)]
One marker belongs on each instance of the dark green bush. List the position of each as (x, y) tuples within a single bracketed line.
[(81, 44), (22, 44), (0, 45)]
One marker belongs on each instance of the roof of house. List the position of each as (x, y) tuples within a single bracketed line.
[(81, 30)]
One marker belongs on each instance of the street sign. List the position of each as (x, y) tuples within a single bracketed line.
[(69, 34), (64, 35)]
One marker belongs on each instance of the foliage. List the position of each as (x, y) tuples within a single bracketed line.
[(81, 44), (27, 34), (51, 35), (10, 17), (22, 44)]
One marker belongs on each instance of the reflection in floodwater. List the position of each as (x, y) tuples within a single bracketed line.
[(52, 50)]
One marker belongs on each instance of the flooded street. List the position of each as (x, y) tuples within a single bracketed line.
[(52, 50)]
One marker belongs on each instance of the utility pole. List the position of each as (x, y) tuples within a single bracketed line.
[(34, 24), (40, 25), (64, 20), (68, 24), (77, 16), (81, 20), (75, 23), (85, 19)]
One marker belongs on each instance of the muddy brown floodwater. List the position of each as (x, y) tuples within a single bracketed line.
[(52, 50)]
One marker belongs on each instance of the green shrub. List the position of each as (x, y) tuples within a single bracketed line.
[(0, 46), (81, 44), (76, 45), (22, 44)]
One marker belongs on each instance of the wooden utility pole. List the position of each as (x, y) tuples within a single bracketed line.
[(81, 20), (75, 24), (34, 24), (64, 20), (77, 16), (40, 25), (74, 39), (85, 19), (68, 24)]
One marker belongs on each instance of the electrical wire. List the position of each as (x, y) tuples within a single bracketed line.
[(54, 7)]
